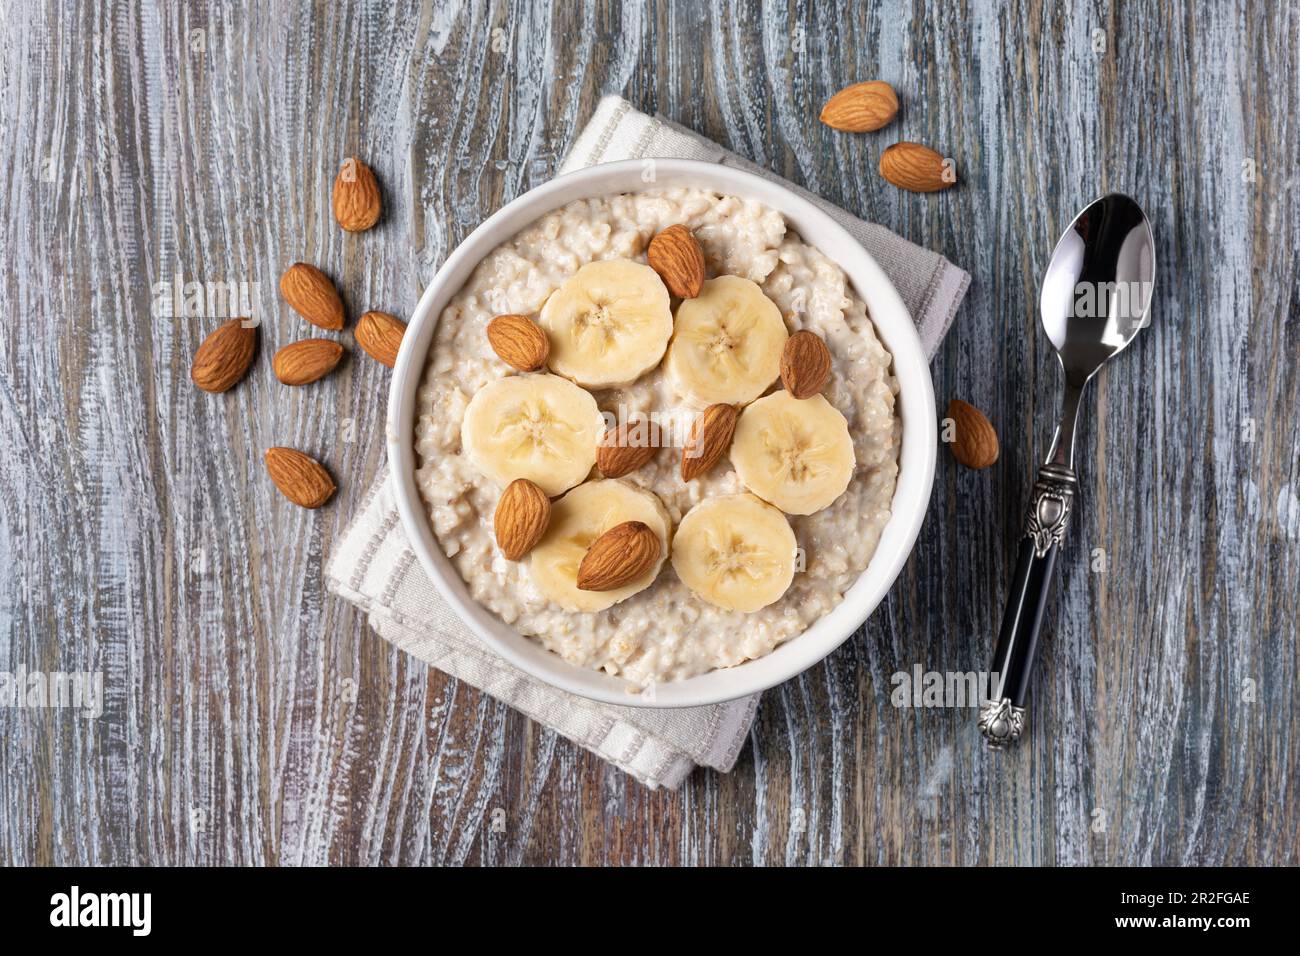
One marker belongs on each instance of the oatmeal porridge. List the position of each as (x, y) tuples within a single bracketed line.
[(788, 497)]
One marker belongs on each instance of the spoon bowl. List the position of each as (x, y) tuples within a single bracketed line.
[(1097, 289)]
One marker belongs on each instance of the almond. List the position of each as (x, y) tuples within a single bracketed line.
[(224, 356), (862, 107), (805, 364), (521, 518), (520, 342), (299, 477), (312, 296), (676, 255), (380, 334), (915, 167), (299, 363), (356, 196), (626, 448), (974, 442), (618, 557), (709, 441)]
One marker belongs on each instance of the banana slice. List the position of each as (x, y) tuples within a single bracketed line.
[(540, 427), (578, 519), (735, 551), (608, 324), (795, 453), (727, 343)]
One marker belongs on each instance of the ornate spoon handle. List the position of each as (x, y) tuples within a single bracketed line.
[(1002, 719)]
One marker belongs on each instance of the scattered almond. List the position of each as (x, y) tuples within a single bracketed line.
[(974, 443), (618, 557), (676, 255), (862, 107), (805, 364), (380, 334), (709, 441), (519, 342), (299, 477), (915, 167), (299, 363), (626, 448), (312, 296), (224, 357), (356, 196), (521, 518)]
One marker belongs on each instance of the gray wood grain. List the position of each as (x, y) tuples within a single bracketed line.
[(249, 718)]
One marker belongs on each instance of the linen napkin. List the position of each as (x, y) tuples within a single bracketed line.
[(373, 566)]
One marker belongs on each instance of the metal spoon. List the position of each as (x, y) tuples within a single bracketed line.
[(1096, 296)]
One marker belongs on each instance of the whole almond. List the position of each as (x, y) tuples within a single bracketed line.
[(805, 364), (915, 167), (520, 342), (521, 518), (380, 334), (299, 477), (676, 255), (299, 363), (709, 441), (224, 356), (862, 107), (974, 443), (312, 296), (356, 196), (618, 557), (626, 448)]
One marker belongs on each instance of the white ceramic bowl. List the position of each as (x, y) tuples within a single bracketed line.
[(916, 408)]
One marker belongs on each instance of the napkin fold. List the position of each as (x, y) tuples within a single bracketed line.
[(372, 564)]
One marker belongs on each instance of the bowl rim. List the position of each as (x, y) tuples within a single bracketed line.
[(915, 405)]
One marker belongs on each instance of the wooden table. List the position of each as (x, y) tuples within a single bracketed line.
[(251, 718)]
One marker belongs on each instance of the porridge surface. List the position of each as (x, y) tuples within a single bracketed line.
[(664, 632)]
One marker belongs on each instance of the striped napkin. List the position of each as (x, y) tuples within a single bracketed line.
[(373, 566)]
